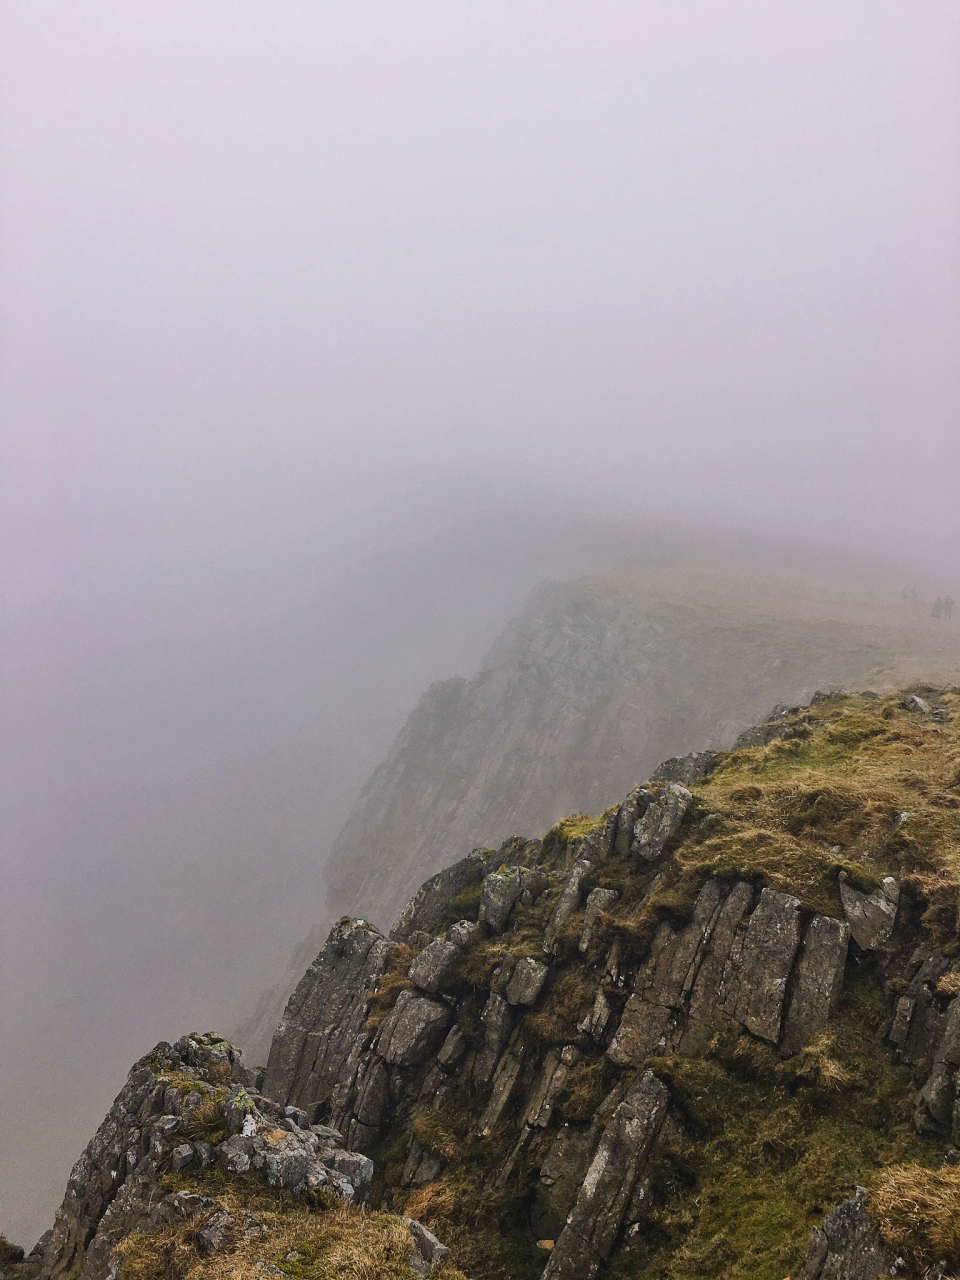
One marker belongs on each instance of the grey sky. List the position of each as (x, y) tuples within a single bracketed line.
[(325, 331), (263, 262)]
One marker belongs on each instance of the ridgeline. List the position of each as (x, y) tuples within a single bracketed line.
[(712, 1031)]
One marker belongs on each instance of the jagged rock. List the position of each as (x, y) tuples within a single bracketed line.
[(607, 837), (325, 1015), (234, 1155), (237, 1108), (917, 1020), (204, 1153), (760, 735), (330, 1137), (463, 932), (725, 971), (421, 1166), (429, 1250), (561, 1176), (373, 1093), (715, 987), (632, 809), (354, 1166), (413, 1030), (568, 902), (214, 1235), (527, 980), (501, 889), (595, 1022), (660, 823), (918, 705), (427, 909), (662, 982), (684, 769), (847, 1246), (504, 1083), (588, 1238), (936, 1101), (167, 1126), (431, 964), (819, 978), (500, 978), (497, 1019), (556, 1068), (871, 915), (533, 882), (769, 948), (452, 1049), (115, 1187), (597, 900)]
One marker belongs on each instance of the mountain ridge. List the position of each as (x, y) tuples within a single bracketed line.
[(712, 1031)]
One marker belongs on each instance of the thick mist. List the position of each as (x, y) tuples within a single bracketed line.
[(329, 330)]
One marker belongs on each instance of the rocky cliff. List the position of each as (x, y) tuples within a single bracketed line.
[(712, 1032), (709, 1033), (588, 689), (195, 1172)]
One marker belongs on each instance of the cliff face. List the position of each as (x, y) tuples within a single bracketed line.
[(712, 1032), (194, 1172), (595, 683), (664, 1042)]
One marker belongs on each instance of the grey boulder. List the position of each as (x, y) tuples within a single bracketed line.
[(501, 889), (871, 916), (660, 823), (527, 980), (588, 1239), (431, 964), (414, 1029), (847, 1246)]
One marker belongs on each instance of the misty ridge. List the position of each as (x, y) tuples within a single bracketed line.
[(418, 424)]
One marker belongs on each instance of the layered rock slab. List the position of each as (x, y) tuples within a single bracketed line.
[(587, 1241), (734, 968), (325, 1015)]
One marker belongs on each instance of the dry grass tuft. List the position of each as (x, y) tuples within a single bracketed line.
[(586, 1087), (206, 1122), (815, 1065), (393, 980), (332, 1241), (568, 1000), (442, 1131), (221, 1073), (484, 1225), (949, 984), (917, 1211)]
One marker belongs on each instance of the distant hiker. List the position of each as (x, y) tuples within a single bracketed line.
[(938, 607), (948, 607)]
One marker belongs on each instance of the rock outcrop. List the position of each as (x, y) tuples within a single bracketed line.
[(185, 1107), (593, 685), (871, 916), (847, 1246), (749, 962), (622, 1159), (684, 1001), (325, 1014)]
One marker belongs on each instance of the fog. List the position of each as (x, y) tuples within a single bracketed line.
[(329, 330)]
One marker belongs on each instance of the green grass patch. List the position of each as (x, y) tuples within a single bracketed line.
[(769, 1147)]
